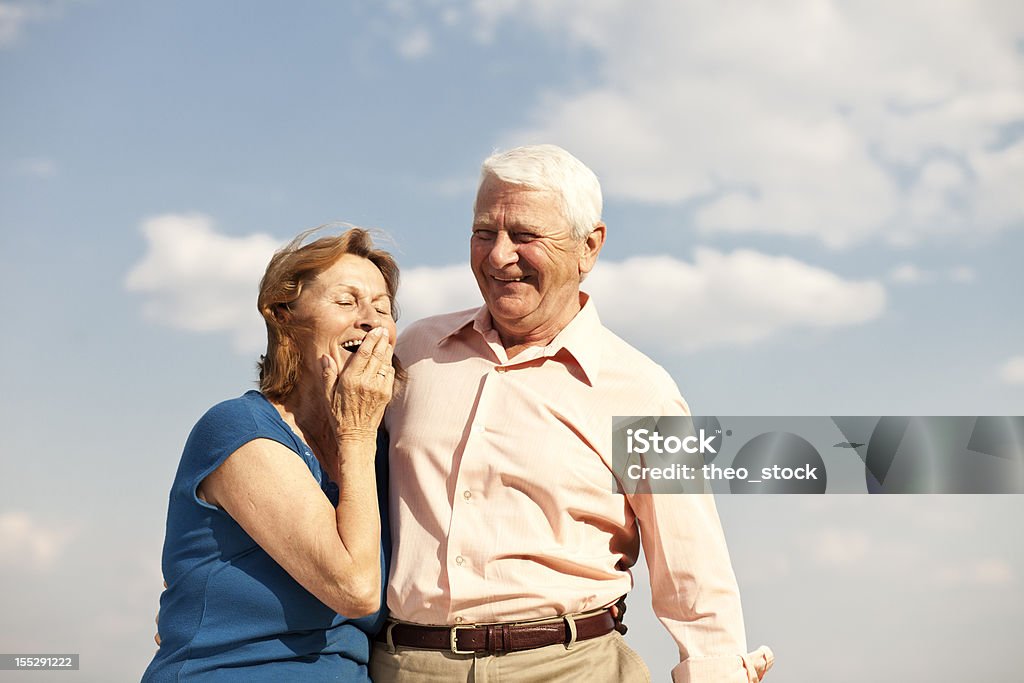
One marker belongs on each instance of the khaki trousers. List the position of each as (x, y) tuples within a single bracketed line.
[(606, 659)]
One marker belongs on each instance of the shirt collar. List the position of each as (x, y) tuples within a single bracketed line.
[(461, 320), (579, 338), (582, 339)]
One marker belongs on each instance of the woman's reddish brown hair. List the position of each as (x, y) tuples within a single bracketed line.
[(290, 269)]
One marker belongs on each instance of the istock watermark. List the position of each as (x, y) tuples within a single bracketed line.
[(644, 440), (859, 454)]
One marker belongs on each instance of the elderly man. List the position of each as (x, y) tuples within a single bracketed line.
[(510, 541)]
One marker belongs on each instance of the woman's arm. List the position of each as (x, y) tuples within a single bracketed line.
[(334, 553)]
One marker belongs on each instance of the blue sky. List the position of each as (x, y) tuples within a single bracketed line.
[(812, 209)]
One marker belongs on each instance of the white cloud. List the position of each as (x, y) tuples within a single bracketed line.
[(199, 280), (451, 16), (992, 571), (985, 572), (15, 16), (843, 122), (910, 274), (432, 290), (723, 299), (12, 18), (1012, 371), (36, 167), (961, 274), (840, 547), (720, 299), (907, 274), (415, 44), (28, 544)]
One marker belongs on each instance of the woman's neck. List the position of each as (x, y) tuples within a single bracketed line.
[(308, 415)]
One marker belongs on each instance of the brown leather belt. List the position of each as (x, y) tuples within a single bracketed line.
[(466, 639)]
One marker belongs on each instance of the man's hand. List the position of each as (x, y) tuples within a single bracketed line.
[(758, 662), (618, 610)]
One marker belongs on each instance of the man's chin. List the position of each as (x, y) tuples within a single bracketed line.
[(507, 309)]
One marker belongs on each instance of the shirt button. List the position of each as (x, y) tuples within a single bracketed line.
[(459, 560), (467, 495), (459, 620)]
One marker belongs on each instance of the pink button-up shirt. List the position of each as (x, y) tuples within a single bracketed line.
[(503, 505)]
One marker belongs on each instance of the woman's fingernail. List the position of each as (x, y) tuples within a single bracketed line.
[(325, 362)]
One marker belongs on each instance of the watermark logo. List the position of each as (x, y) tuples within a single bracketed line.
[(645, 440), (949, 454)]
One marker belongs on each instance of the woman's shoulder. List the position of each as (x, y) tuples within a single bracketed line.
[(235, 421), (241, 412), (251, 404)]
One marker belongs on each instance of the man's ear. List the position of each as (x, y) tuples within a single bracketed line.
[(590, 248)]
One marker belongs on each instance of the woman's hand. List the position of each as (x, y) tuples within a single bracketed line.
[(361, 391), (333, 552)]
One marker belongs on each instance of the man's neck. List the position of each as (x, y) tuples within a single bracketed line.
[(515, 342)]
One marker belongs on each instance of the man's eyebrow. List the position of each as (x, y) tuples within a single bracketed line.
[(511, 226)]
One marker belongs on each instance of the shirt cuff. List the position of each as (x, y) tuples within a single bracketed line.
[(724, 669)]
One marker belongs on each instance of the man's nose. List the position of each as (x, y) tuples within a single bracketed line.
[(503, 251)]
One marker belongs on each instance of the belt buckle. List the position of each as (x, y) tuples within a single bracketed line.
[(453, 639)]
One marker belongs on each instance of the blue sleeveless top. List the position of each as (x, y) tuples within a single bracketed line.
[(230, 612)]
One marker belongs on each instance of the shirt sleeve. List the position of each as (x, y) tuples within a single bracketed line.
[(694, 589)]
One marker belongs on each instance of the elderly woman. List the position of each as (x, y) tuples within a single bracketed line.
[(273, 553)]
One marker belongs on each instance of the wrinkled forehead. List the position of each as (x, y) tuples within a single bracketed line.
[(351, 272), (499, 201)]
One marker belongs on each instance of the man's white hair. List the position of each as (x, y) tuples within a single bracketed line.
[(549, 167)]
